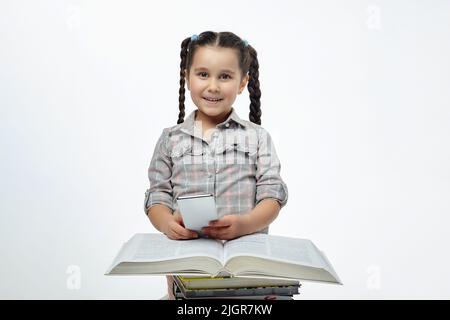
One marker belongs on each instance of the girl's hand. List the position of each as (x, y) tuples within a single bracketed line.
[(174, 228), (226, 228)]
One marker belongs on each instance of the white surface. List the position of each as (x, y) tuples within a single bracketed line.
[(354, 93), (197, 212)]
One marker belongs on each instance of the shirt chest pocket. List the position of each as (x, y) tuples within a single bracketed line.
[(238, 153), (187, 154)]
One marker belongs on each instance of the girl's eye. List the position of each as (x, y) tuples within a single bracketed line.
[(203, 74)]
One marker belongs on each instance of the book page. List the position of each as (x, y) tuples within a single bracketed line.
[(290, 250), (145, 247), (157, 247)]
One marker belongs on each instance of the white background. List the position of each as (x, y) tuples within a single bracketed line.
[(355, 94)]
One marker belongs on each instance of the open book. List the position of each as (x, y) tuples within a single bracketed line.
[(257, 255)]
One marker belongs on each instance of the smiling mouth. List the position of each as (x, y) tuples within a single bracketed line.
[(212, 101)]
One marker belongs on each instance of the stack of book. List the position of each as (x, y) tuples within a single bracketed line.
[(189, 287)]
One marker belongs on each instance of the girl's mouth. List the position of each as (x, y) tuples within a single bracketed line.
[(212, 101)]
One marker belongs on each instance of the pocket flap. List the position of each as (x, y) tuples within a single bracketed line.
[(240, 147), (180, 150), (187, 149)]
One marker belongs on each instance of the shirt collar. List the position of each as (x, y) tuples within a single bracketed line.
[(188, 125)]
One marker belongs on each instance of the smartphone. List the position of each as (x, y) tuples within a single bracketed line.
[(197, 210)]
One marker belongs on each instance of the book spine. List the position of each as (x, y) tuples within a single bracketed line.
[(281, 291)]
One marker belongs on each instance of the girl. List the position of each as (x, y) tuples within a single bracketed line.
[(214, 150)]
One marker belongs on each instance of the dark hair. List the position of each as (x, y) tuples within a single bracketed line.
[(248, 63)]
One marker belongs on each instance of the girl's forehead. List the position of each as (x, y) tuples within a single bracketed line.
[(215, 58)]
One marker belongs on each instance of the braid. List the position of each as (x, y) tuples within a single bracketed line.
[(253, 88), (183, 55)]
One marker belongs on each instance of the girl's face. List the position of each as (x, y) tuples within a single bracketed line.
[(215, 74)]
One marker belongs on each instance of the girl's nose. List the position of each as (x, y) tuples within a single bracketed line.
[(213, 86)]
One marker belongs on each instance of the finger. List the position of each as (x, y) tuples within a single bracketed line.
[(216, 232), (174, 233), (178, 236), (177, 230), (210, 231), (224, 222), (193, 234), (172, 236), (185, 233), (214, 229), (179, 218), (206, 230)]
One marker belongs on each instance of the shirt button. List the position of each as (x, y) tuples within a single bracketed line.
[(227, 124)]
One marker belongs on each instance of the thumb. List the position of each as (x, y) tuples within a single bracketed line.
[(178, 217), (222, 222)]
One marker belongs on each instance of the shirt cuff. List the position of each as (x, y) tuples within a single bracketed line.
[(155, 197), (277, 192)]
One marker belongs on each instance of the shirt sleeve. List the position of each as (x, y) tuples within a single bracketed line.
[(269, 183), (159, 174)]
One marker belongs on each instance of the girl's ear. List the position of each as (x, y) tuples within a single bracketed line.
[(243, 83)]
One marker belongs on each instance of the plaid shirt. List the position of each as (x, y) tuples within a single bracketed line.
[(238, 165)]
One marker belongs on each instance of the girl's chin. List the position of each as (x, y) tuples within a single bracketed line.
[(213, 111)]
